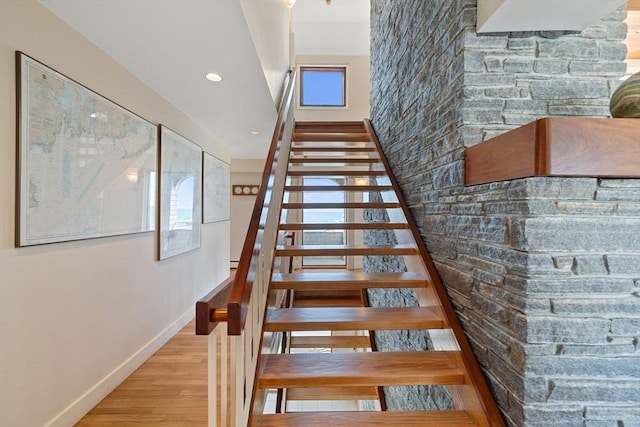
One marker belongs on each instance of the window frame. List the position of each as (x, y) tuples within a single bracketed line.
[(339, 68)]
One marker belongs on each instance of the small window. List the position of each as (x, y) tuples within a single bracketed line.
[(323, 86)]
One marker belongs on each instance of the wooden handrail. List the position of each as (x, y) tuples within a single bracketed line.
[(243, 282), (212, 308), (484, 394)]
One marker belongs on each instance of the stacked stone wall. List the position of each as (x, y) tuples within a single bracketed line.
[(512, 79), (543, 272), (428, 64)]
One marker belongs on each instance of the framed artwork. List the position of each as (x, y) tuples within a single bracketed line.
[(216, 195), (86, 166), (180, 213)]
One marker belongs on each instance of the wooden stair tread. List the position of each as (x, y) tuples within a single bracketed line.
[(332, 149), (368, 418), (327, 302), (353, 318), (322, 298), (333, 393), (347, 280), (330, 125), (360, 369), (312, 277), (330, 136), (344, 250), (341, 205), (309, 171), (365, 160), (318, 293), (338, 188), (346, 226), (332, 341), (330, 130)]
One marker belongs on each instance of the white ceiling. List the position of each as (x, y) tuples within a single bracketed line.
[(337, 11), (341, 28), (172, 44), (541, 15)]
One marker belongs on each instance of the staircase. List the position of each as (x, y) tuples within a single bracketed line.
[(343, 364)]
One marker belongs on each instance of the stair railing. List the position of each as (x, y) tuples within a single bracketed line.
[(211, 310), (240, 343)]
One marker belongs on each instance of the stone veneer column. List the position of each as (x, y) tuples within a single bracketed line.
[(544, 272)]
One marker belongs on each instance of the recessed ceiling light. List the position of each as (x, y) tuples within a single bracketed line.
[(254, 132), (213, 77)]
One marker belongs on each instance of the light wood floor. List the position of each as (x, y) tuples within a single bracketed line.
[(169, 389)]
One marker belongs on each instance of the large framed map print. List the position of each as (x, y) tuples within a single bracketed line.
[(86, 166)]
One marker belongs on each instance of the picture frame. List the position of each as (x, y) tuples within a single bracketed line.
[(216, 189), (86, 167), (180, 195)]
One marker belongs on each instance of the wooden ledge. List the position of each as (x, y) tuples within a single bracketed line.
[(570, 147)]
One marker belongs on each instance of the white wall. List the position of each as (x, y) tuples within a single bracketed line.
[(357, 89), (76, 318), (268, 22), (243, 171), (332, 38)]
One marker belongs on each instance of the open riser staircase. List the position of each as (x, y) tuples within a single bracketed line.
[(300, 333), (341, 363)]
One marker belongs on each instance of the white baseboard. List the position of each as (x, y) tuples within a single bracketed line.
[(234, 264), (78, 409)]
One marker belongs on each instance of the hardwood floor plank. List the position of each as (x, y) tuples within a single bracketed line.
[(168, 390)]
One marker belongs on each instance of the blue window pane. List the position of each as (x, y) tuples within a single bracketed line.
[(322, 88)]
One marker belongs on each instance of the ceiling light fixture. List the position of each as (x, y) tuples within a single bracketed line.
[(213, 77), (291, 3), (254, 132)]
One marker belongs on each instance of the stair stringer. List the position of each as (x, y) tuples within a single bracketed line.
[(474, 396)]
